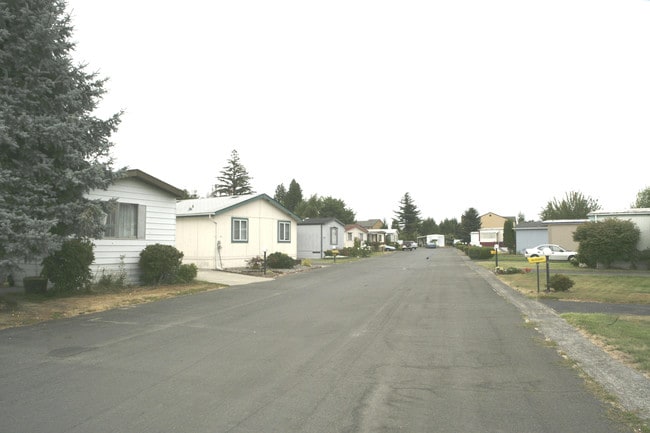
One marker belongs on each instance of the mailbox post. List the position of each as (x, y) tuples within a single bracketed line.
[(547, 253), (537, 261)]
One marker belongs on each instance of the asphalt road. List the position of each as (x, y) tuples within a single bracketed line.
[(394, 343)]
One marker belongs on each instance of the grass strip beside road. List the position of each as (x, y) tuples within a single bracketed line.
[(628, 336)]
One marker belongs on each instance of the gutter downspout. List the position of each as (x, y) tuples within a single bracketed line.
[(217, 246)]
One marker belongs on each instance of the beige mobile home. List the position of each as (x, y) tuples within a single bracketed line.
[(227, 232)]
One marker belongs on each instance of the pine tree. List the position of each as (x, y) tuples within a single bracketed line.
[(294, 196), (408, 218), (469, 222), (280, 194), (234, 179), (52, 149)]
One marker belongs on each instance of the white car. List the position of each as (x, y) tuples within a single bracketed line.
[(389, 248), (556, 252)]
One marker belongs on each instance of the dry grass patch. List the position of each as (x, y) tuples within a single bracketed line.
[(20, 309)]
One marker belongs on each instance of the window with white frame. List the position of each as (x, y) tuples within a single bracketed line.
[(240, 230), (125, 221), (334, 235), (284, 231)]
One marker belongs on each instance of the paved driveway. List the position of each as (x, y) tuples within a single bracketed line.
[(228, 278)]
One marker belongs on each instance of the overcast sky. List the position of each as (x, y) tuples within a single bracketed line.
[(501, 106)]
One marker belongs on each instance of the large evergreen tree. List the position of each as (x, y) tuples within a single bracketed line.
[(450, 228), (294, 196), (428, 227), (469, 222), (280, 194), (509, 235), (574, 206), (408, 217), (52, 149), (233, 179)]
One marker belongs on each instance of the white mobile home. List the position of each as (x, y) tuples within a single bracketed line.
[(227, 232), (145, 214), (439, 240), (317, 235)]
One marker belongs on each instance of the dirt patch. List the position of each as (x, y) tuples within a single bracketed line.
[(18, 309)]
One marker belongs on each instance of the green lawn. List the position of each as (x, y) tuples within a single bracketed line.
[(589, 285), (629, 335)]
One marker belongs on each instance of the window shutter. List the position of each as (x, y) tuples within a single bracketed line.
[(142, 221)]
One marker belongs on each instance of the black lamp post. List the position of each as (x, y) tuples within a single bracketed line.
[(264, 261)]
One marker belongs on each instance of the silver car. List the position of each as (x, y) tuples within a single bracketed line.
[(554, 252)]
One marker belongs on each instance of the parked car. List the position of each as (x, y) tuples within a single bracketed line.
[(432, 245), (409, 245), (556, 252), (389, 248)]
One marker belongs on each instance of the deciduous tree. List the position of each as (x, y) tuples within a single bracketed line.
[(574, 206), (428, 227), (642, 199)]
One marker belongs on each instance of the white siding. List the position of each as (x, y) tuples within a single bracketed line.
[(208, 243), (160, 226), (196, 238), (314, 239), (355, 233), (310, 240)]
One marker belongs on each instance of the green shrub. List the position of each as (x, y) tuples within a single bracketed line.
[(255, 263), (604, 242), (69, 268), (479, 253), (187, 273), (160, 264), (108, 281), (560, 282), (643, 259), (508, 271), (112, 280), (279, 260), (356, 251)]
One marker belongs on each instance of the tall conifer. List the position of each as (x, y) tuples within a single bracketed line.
[(53, 149)]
